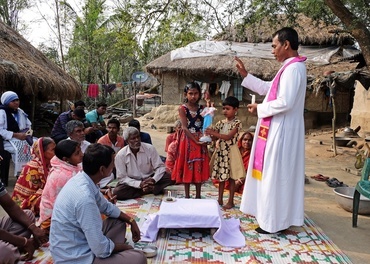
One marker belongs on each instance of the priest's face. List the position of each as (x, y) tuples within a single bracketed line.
[(280, 50)]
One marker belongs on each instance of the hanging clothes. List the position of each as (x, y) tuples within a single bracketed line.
[(204, 89), (93, 90), (224, 89), (109, 88)]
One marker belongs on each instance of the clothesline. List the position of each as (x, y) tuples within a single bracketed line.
[(93, 89)]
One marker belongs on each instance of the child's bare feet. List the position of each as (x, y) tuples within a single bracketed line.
[(228, 206), (220, 202)]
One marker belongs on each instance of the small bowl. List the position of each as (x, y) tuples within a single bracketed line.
[(344, 197), (150, 251), (169, 199)]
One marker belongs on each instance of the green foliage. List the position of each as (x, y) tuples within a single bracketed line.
[(9, 10), (51, 53)]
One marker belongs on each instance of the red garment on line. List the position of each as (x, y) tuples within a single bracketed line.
[(93, 90)]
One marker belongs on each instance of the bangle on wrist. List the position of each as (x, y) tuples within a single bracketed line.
[(25, 241), (131, 220), (33, 224), (106, 191)]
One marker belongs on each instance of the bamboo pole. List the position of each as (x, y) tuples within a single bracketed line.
[(126, 99)]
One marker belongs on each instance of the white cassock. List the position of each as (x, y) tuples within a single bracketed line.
[(277, 201)]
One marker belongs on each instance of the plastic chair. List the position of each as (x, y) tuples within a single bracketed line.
[(362, 188)]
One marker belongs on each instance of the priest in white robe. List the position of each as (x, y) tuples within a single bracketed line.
[(274, 187)]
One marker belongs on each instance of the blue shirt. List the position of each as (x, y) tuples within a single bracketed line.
[(94, 117), (76, 234), (145, 137), (59, 128)]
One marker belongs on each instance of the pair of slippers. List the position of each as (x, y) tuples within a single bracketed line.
[(320, 177), (334, 182)]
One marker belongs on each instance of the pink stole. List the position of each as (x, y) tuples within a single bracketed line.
[(259, 153)]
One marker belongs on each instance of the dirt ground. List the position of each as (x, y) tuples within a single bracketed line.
[(320, 204)]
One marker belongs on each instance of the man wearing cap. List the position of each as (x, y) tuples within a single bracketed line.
[(14, 123), (59, 130)]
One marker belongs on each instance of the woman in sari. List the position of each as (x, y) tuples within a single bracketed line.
[(171, 147), (29, 186), (244, 145)]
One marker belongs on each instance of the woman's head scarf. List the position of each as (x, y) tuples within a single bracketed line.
[(8, 97)]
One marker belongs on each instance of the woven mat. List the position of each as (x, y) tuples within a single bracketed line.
[(306, 244)]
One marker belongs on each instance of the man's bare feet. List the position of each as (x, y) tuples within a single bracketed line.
[(228, 206), (220, 202)]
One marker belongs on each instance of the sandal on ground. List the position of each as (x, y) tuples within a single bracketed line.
[(320, 177), (333, 182)]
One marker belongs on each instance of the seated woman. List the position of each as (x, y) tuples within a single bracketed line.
[(64, 165), (28, 188), (245, 146), (171, 147), (13, 126)]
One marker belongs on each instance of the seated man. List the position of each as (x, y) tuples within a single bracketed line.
[(112, 138), (145, 137), (77, 231), (79, 104), (75, 131), (139, 167), (59, 130), (16, 229), (95, 119)]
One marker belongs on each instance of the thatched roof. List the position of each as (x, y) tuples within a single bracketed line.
[(208, 68), (26, 70), (310, 32), (217, 68)]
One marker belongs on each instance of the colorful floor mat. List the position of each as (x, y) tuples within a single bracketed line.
[(306, 244)]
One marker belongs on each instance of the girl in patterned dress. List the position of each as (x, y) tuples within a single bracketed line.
[(226, 162), (192, 162)]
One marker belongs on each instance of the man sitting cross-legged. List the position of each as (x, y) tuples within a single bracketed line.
[(77, 233), (16, 229), (139, 167)]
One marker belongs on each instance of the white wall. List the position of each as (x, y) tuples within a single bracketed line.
[(361, 109)]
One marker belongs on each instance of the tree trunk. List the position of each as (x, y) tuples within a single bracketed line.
[(358, 29)]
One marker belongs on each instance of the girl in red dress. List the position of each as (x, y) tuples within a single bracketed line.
[(192, 162)]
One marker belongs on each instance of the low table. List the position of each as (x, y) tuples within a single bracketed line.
[(189, 213), (194, 213)]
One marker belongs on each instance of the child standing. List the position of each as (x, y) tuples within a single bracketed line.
[(191, 164), (226, 162)]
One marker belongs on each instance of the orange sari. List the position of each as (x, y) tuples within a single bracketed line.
[(28, 189)]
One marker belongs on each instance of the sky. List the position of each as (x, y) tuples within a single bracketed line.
[(39, 21)]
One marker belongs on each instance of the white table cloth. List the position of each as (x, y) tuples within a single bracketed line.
[(193, 213)]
